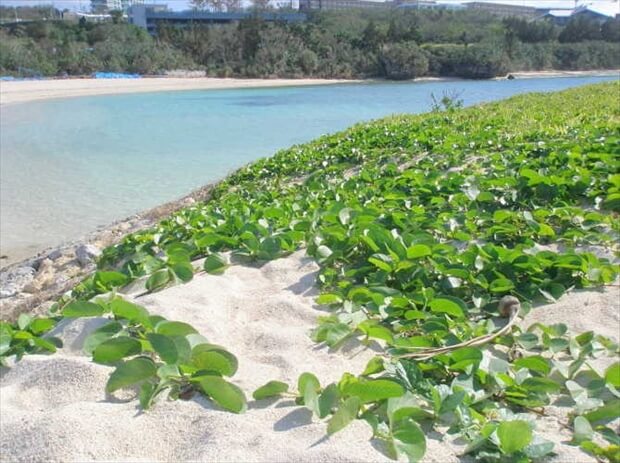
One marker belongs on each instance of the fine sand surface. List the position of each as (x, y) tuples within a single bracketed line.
[(53, 408), (22, 91)]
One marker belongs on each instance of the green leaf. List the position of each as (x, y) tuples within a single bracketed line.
[(131, 372), (170, 328), (374, 365), (612, 375), (328, 400), (215, 264), (158, 280), (373, 390), (271, 389), (23, 321), (146, 395), (328, 299), (541, 385), (184, 271), (409, 439), (223, 393), (109, 280), (501, 285), (164, 346), (582, 430), (608, 412), (447, 306), (78, 309), (417, 251), (534, 363), (220, 361), (464, 357), (346, 413), (101, 334), (41, 325), (115, 349), (513, 436), (129, 311)]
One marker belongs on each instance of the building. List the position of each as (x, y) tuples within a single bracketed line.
[(149, 16), (343, 4), (426, 5), (105, 6), (600, 12), (501, 9)]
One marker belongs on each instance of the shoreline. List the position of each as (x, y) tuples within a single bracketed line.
[(25, 91), (56, 269)]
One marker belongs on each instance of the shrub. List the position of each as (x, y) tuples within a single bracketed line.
[(403, 61)]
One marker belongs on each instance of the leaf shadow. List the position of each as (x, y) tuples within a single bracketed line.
[(296, 419), (351, 347), (305, 286), (262, 403)]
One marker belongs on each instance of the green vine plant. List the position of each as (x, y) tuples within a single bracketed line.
[(157, 354), (434, 234)]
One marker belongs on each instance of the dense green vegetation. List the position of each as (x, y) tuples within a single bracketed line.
[(420, 225), (393, 44)]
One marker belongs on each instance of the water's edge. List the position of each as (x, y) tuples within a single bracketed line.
[(57, 269)]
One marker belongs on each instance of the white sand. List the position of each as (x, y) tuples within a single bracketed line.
[(32, 90), (12, 92), (53, 408)]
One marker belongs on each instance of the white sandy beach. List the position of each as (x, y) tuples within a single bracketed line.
[(22, 91), (54, 407)]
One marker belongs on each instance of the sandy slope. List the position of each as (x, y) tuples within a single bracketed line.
[(53, 408), (33, 90)]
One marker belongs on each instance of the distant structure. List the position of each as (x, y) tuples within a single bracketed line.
[(305, 5), (426, 5), (597, 12), (149, 16), (503, 9), (105, 6), (377, 4)]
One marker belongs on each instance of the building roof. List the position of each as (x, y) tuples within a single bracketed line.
[(611, 9), (560, 13)]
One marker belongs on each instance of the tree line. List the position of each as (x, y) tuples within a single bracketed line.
[(393, 44)]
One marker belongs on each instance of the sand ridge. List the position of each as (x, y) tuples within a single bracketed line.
[(54, 408)]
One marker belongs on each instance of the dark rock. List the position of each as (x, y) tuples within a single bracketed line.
[(87, 253)]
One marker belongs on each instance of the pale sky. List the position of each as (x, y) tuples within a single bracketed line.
[(183, 4)]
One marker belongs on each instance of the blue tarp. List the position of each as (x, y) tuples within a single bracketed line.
[(114, 75)]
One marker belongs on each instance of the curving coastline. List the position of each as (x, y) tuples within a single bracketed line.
[(13, 92), (23, 91)]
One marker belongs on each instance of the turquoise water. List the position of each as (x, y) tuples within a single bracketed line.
[(69, 166)]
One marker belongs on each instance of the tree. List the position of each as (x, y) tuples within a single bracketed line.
[(403, 61), (216, 5), (117, 16), (610, 30), (260, 4), (372, 37), (580, 28)]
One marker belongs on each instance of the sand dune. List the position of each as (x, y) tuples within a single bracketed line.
[(54, 408)]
